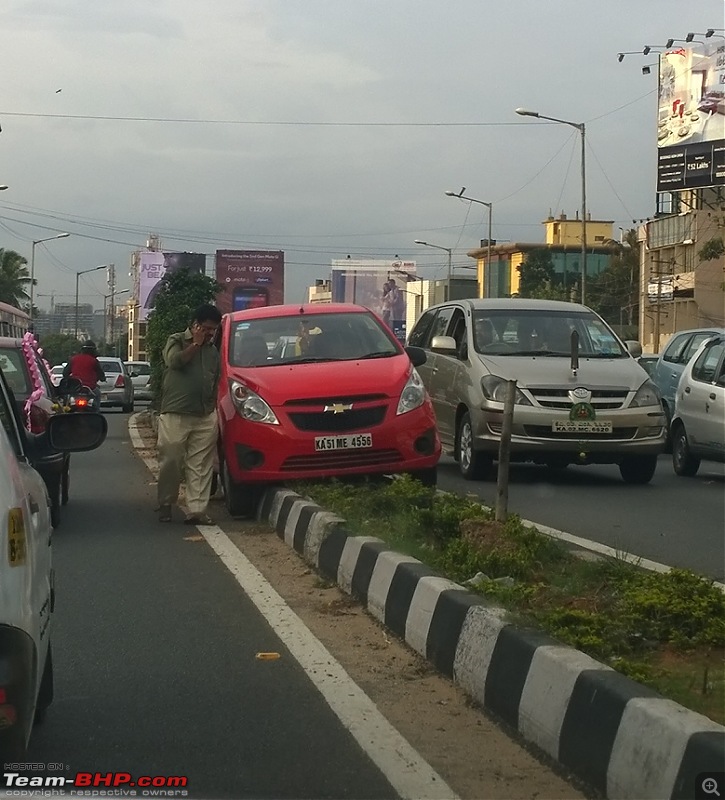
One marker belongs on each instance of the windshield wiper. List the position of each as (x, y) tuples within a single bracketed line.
[(378, 354), (531, 353), (602, 355)]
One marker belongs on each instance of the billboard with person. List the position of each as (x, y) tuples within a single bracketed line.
[(376, 284), (251, 278), (691, 117), (153, 266)]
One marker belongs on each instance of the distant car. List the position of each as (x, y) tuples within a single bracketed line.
[(26, 566), (698, 424), (350, 403), (56, 374), (54, 467), (117, 389), (671, 364), (596, 408), (648, 362), (140, 374)]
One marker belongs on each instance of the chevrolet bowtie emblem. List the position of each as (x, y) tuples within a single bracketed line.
[(339, 408)]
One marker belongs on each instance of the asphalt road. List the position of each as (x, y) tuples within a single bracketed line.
[(154, 646), (676, 521)]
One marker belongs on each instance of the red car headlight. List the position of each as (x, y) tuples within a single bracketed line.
[(250, 405)]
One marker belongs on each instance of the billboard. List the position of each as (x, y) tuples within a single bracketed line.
[(251, 278), (691, 117), (376, 284), (153, 266)]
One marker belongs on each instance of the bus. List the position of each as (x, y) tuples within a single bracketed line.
[(13, 322)]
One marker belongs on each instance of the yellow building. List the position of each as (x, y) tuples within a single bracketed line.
[(562, 237)]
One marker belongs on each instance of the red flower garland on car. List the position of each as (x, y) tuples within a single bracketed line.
[(30, 348)]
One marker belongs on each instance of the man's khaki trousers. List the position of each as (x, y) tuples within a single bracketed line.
[(187, 444)]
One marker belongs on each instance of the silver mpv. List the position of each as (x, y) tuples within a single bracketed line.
[(580, 399)]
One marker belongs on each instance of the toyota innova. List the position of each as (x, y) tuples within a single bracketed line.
[(581, 397)]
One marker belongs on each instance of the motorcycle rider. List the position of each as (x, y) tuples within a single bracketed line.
[(86, 367)]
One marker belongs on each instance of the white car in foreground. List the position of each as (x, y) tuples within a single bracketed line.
[(26, 572), (698, 424)]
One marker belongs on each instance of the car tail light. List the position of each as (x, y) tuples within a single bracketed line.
[(38, 419), (120, 383)]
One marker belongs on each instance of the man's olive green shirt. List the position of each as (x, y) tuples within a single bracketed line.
[(189, 388)]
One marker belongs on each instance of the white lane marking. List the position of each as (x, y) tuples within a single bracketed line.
[(403, 767)]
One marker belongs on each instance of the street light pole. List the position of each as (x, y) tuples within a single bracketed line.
[(490, 219), (32, 266), (448, 250), (78, 275), (581, 127)]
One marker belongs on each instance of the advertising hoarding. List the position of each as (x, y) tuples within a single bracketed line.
[(377, 284), (691, 117), (154, 265), (251, 279)]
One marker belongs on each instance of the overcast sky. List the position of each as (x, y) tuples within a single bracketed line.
[(322, 128)]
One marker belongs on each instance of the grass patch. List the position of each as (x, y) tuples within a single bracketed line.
[(664, 630)]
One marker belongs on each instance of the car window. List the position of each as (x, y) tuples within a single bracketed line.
[(140, 369), (704, 369), (9, 421), (457, 329), (110, 366), (419, 335), (693, 345), (674, 350), (440, 323), (521, 331), (12, 363), (270, 341)]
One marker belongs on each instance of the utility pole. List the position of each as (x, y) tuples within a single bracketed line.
[(112, 288)]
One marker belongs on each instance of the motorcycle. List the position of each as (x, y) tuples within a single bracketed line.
[(72, 395)]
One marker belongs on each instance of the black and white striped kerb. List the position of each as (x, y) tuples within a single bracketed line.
[(617, 735)]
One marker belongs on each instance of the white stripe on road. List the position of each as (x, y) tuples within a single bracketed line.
[(403, 767)]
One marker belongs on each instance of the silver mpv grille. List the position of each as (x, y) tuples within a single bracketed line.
[(602, 399)]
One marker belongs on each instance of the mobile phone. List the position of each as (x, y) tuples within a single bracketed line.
[(249, 297)]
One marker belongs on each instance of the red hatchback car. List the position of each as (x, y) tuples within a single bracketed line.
[(318, 391)]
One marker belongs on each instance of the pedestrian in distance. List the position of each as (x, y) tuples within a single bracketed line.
[(187, 435), (87, 368)]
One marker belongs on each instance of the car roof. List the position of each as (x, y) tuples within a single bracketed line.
[(297, 309), (136, 362), (714, 330), (507, 303), (10, 341)]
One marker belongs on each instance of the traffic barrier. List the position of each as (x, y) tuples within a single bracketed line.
[(619, 736)]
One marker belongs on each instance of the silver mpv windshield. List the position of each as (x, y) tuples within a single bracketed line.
[(527, 332)]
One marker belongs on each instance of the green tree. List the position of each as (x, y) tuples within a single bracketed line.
[(59, 347), (614, 293), (14, 278), (538, 278), (180, 294)]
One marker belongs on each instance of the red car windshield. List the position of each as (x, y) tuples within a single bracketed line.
[(309, 338)]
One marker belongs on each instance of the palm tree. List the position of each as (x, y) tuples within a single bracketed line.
[(14, 278)]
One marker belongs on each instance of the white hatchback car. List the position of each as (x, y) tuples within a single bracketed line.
[(26, 572), (698, 425)]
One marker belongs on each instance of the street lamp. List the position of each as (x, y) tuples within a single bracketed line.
[(450, 262), (582, 129), (78, 275), (490, 219), (32, 262)]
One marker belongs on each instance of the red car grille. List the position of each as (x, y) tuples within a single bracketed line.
[(328, 422), (341, 459)]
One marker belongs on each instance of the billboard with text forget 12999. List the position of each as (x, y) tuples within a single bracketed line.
[(691, 117), (251, 279)]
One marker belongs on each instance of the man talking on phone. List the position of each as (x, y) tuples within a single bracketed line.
[(187, 434)]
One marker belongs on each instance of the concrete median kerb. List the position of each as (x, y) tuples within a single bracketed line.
[(619, 736)]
